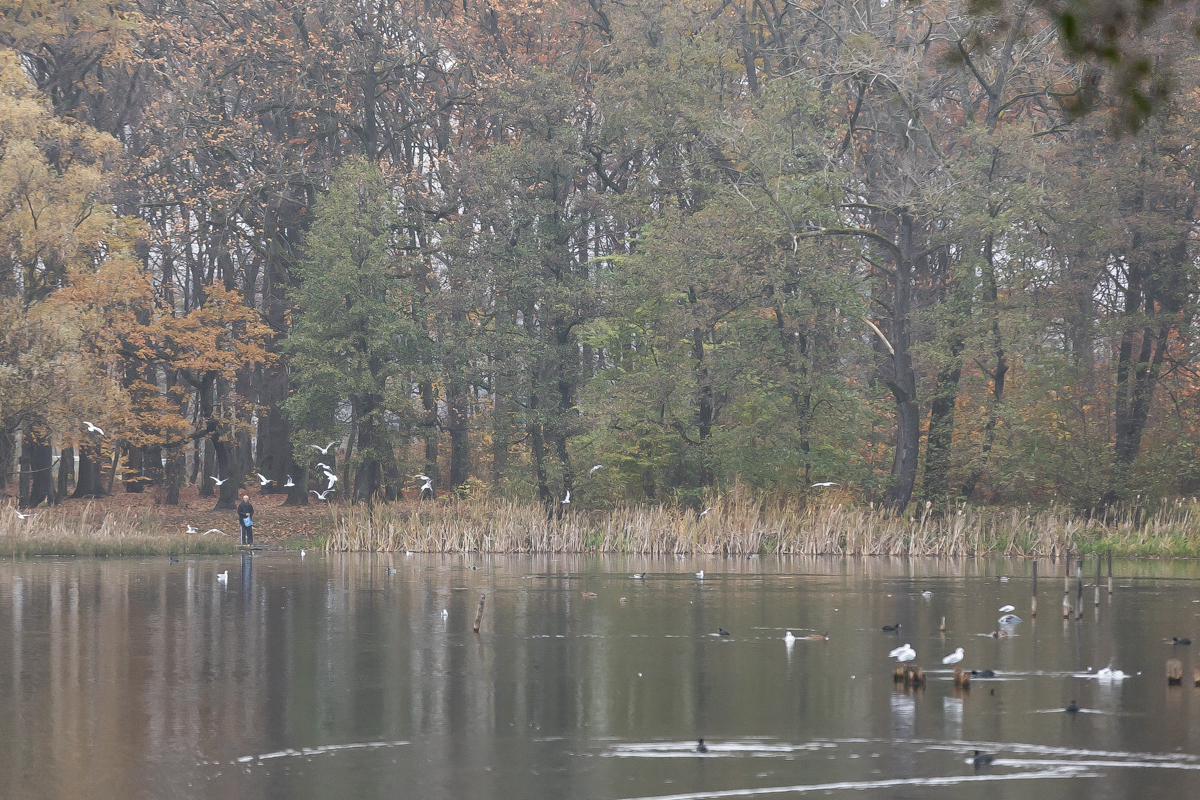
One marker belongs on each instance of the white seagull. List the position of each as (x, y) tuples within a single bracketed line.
[(954, 657), (903, 653), (421, 476), (324, 450), (217, 480), (445, 615), (593, 469), (23, 516), (263, 479), (191, 529), (223, 577), (93, 428), (789, 637), (1009, 619), (1007, 609), (427, 485), (700, 574), (324, 466), (705, 511), (289, 483), (329, 476), (321, 495), (825, 483), (566, 501), (214, 530)]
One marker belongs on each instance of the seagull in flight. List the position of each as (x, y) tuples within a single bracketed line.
[(321, 495), (289, 483), (421, 476), (825, 483), (567, 500), (331, 478), (217, 480), (428, 485), (324, 450), (263, 478), (593, 469), (324, 466), (705, 511), (93, 428), (214, 530), (24, 516)]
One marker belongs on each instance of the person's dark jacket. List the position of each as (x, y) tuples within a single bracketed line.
[(245, 510)]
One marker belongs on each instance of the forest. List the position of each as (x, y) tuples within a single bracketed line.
[(605, 251)]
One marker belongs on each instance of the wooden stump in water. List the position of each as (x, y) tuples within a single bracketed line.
[(479, 613), (962, 678), (1174, 671), (898, 673), (1196, 676)]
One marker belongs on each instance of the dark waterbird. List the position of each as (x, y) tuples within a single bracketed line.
[(983, 673), (1072, 707), (700, 748), (174, 557), (892, 628), (1180, 640), (721, 632), (982, 759)]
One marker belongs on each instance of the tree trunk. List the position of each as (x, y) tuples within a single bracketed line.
[(41, 465), (368, 477), (901, 379), (66, 471), (430, 424), (89, 483), (457, 423)]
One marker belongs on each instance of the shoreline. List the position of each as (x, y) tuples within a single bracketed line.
[(738, 525)]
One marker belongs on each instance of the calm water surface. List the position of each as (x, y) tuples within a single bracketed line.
[(329, 677)]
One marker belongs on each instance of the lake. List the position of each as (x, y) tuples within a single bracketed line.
[(327, 676)]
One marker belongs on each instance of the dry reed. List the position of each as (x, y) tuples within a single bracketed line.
[(91, 533), (741, 523)]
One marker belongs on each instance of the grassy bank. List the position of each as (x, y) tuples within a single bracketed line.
[(92, 531), (741, 524)]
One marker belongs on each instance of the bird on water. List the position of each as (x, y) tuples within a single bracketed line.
[(954, 657), (892, 628), (722, 632), (789, 637), (982, 759), (903, 653), (700, 748), (1180, 640), (1072, 707)]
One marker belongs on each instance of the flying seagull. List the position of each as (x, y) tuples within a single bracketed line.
[(93, 428), (324, 450), (289, 483), (23, 516), (705, 511), (567, 500), (321, 495), (593, 469), (263, 478), (217, 480), (331, 478), (825, 483), (214, 530), (428, 485), (324, 466)]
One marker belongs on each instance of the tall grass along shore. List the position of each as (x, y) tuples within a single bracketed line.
[(95, 532), (741, 525)]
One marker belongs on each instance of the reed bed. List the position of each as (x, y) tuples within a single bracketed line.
[(741, 524), (92, 532)]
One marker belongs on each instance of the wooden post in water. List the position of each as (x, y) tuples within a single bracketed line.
[(1033, 600), (1079, 589), (1067, 573), (479, 613), (1098, 562), (1110, 570), (1174, 671)]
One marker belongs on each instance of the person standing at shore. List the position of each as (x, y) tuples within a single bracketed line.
[(246, 518)]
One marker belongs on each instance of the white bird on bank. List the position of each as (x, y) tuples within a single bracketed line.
[(321, 495), (954, 657), (566, 501), (324, 450), (217, 480), (289, 483), (1006, 609), (192, 529), (593, 469), (93, 428), (824, 484), (263, 479), (903, 653), (223, 577)]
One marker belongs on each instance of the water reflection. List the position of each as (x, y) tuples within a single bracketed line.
[(334, 677)]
